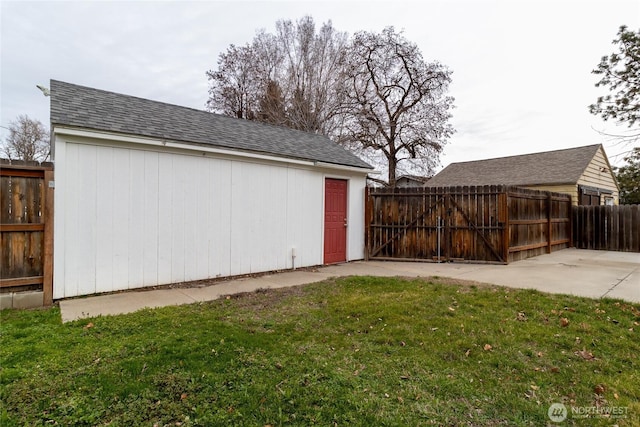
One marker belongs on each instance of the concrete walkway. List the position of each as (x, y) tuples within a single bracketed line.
[(593, 274)]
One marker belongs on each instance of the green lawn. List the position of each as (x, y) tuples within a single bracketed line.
[(354, 351)]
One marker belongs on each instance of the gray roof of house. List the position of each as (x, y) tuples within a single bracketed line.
[(416, 178), (88, 108), (547, 168)]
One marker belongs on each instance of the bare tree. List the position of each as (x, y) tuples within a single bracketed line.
[(396, 103), (271, 108), (235, 85), (28, 140), (294, 70)]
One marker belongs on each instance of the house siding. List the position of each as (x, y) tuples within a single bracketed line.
[(566, 189), (599, 175), (131, 217)]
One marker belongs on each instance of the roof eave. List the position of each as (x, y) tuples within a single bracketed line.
[(62, 129)]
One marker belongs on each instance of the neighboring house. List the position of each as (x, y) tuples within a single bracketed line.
[(582, 172), (405, 181), (149, 193)]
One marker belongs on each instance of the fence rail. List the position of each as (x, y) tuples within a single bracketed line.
[(611, 228), (497, 224)]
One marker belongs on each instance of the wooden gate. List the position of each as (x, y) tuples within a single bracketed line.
[(495, 224), (450, 223), (26, 227)]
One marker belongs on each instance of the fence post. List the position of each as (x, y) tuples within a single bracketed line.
[(47, 283), (549, 226), (571, 222), (506, 230), (367, 223), (447, 224)]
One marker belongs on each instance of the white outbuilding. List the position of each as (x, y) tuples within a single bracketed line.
[(148, 193)]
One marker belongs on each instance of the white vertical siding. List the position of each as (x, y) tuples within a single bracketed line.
[(220, 219), (119, 230), (165, 203), (259, 221), (86, 219), (151, 213), (137, 217), (305, 217), (104, 215), (129, 218)]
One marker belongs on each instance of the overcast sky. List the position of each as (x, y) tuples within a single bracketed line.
[(521, 69)]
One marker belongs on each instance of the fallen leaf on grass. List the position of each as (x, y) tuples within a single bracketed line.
[(564, 322), (183, 396), (88, 325), (487, 347), (599, 388), (586, 355)]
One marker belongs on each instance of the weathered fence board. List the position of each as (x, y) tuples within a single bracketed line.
[(611, 228), (26, 227), (482, 224)]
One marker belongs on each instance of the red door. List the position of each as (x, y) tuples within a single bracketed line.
[(335, 221)]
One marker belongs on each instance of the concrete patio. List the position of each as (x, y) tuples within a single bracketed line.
[(593, 274)]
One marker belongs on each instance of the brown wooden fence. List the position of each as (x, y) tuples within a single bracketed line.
[(26, 227), (497, 224), (611, 228)]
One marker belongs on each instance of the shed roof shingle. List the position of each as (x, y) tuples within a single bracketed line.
[(88, 108), (547, 168)]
